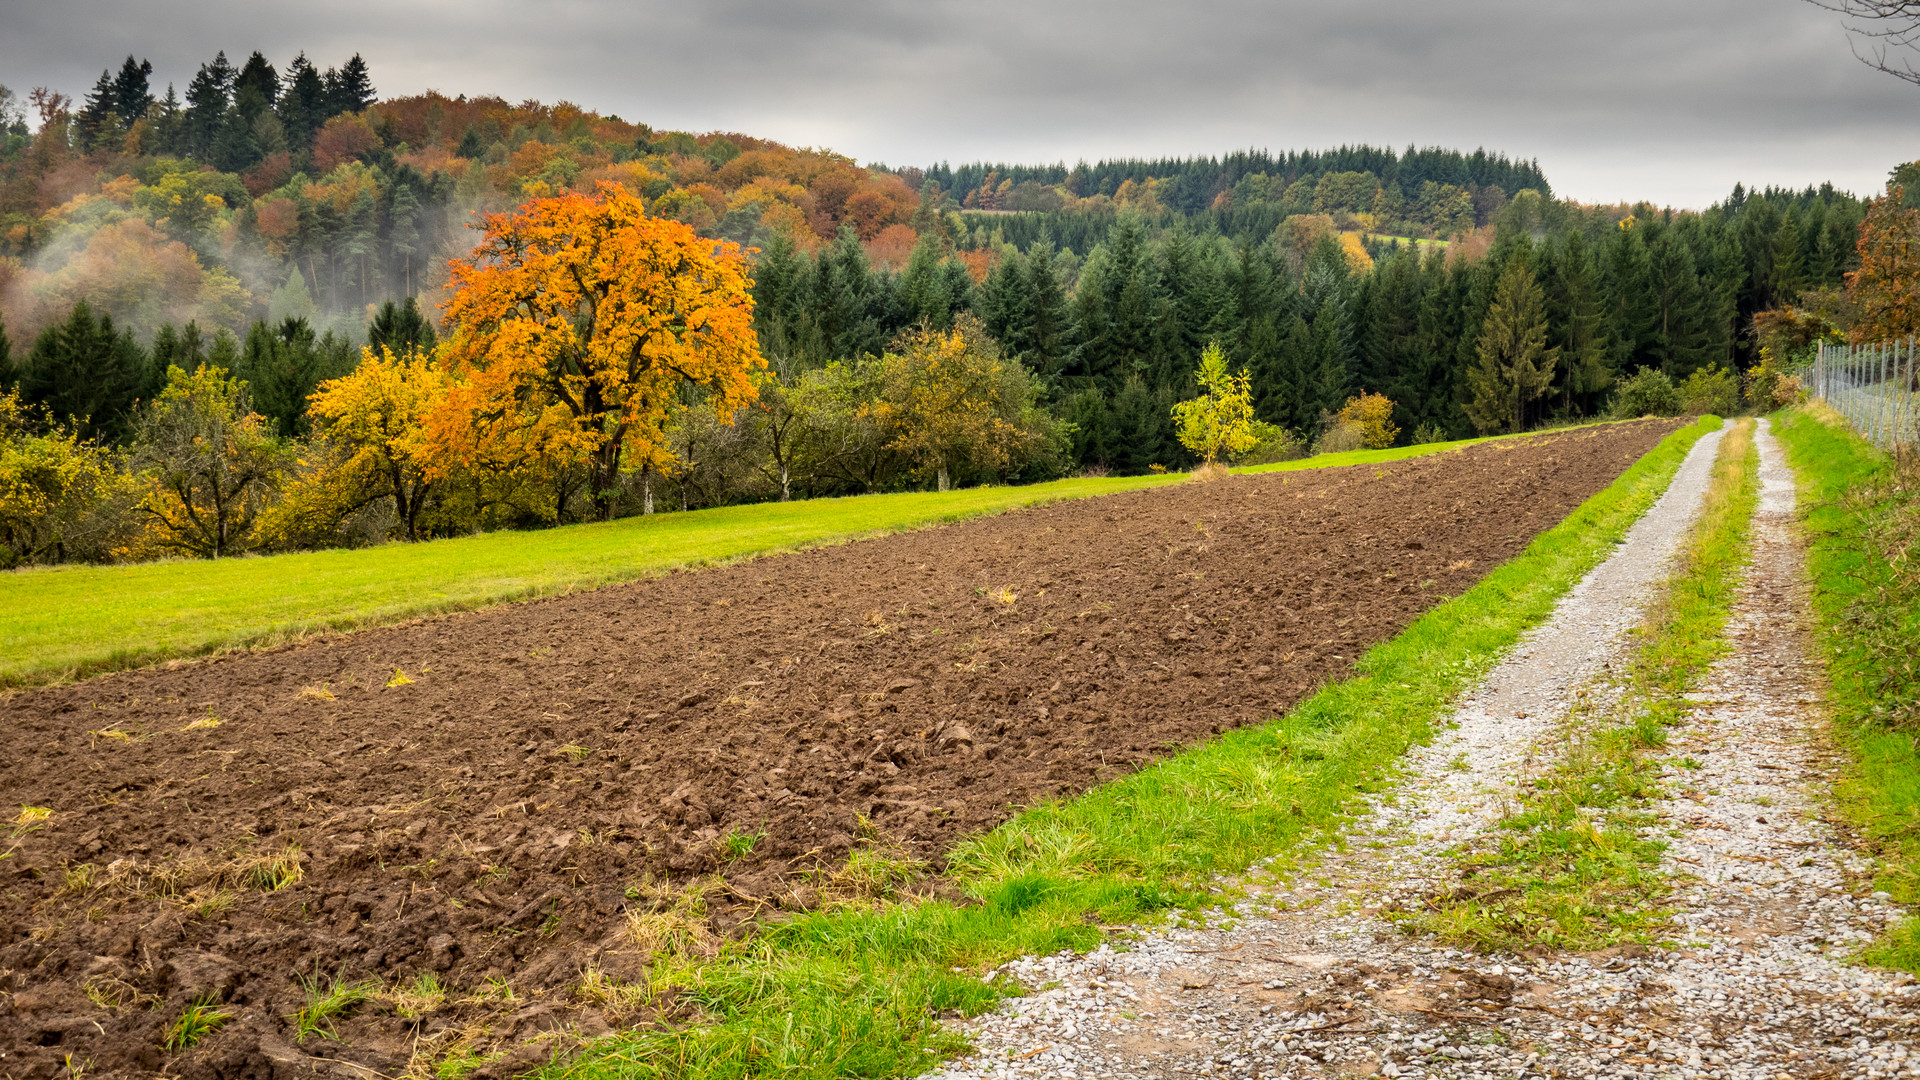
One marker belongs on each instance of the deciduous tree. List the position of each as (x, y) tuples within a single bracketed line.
[(1219, 421), (210, 464), (587, 303)]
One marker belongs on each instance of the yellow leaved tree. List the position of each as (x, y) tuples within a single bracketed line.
[(1219, 421)]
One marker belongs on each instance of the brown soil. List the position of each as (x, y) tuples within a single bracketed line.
[(554, 765)]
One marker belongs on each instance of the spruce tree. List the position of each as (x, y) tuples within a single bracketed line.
[(1515, 363), (302, 104), (98, 120), (1571, 282), (208, 96), (132, 96), (86, 369), (1048, 341), (401, 327), (350, 89)]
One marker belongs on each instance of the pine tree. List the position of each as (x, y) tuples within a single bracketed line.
[(257, 88), (1515, 364), (86, 369), (132, 96), (208, 96), (470, 147), (99, 118)]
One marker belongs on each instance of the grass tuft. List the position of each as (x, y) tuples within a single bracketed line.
[(201, 1018), (334, 997)]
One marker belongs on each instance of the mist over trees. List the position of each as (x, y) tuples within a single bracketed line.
[(283, 227)]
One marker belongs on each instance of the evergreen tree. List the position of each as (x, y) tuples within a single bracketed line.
[(302, 105), (1093, 427), (929, 291), (401, 327), (1571, 282), (132, 96), (1515, 363), (1789, 262), (779, 287), (1142, 427), (1047, 343), (208, 96), (283, 364), (1681, 312), (350, 89), (1628, 294), (86, 369), (256, 89), (185, 349), (848, 305), (98, 121)]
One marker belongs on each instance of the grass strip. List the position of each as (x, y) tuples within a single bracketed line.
[(1862, 513), (67, 622), (859, 990), (1575, 867)]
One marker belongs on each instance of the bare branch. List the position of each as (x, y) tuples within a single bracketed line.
[(1887, 27)]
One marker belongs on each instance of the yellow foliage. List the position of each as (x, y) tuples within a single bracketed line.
[(1219, 421), (1372, 415)]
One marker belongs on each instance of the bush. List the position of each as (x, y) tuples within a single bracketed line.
[(1271, 443), (1648, 393), (1373, 415), (1712, 389), (1340, 437)]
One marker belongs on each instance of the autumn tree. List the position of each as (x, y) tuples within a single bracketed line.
[(61, 496), (372, 422), (953, 402), (587, 303), (1372, 416), (1219, 421), (1515, 364), (210, 462), (1886, 289)]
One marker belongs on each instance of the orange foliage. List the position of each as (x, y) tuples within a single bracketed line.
[(344, 138), (580, 316), (1886, 288), (979, 263), (893, 247), (277, 221)]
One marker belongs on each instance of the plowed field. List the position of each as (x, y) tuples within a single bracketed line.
[(485, 797)]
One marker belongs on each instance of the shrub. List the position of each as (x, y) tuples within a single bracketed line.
[(1373, 415), (1271, 443), (1647, 393), (1712, 389), (1340, 437), (1427, 432)]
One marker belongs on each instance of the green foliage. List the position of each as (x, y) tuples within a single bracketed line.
[(1711, 389), (1648, 392), (1220, 421), (61, 498), (327, 999), (1859, 507), (1515, 363), (209, 462)]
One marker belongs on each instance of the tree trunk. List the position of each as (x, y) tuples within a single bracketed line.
[(946, 482), (786, 484), (646, 489)]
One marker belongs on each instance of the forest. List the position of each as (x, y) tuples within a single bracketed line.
[(231, 251)]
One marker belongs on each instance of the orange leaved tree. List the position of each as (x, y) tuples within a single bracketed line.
[(1886, 288), (582, 306)]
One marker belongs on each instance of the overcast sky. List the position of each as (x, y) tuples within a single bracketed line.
[(1666, 100)]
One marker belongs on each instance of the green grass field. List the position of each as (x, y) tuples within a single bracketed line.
[(70, 621)]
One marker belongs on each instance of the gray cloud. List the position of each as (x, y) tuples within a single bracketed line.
[(1669, 101)]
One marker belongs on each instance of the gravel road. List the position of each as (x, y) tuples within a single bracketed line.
[(1307, 981)]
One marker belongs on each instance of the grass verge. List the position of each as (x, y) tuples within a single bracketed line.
[(68, 622), (1863, 516), (1573, 868), (858, 990)]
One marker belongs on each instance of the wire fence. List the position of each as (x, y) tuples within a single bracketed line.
[(1876, 387)]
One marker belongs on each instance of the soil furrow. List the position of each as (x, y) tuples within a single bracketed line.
[(486, 797)]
